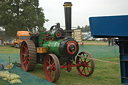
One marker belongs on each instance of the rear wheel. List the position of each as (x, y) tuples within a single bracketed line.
[(28, 55), (51, 68)]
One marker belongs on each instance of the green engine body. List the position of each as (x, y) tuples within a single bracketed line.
[(56, 42)]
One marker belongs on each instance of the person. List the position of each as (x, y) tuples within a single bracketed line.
[(109, 41), (112, 41), (105, 39)]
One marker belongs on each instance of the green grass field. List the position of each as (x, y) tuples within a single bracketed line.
[(8, 50), (94, 41), (104, 73)]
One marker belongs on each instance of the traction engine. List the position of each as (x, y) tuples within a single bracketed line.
[(55, 49)]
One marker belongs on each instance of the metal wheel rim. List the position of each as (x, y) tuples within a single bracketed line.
[(88, 64), (51, 68), (24, 56)]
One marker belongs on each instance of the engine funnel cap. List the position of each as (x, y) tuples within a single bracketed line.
[(67, 4)]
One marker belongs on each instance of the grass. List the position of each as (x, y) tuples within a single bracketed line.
[(104, 73), (8, 50), (92, 43), (1, 82)]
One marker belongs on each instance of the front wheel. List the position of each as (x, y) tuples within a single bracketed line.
[(51, 68), (87, 67)]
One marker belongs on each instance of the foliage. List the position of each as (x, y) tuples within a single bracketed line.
[(3, 35), (84, 29), (19, 15)]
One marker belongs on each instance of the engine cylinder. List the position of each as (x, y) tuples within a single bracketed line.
[(68, 47)]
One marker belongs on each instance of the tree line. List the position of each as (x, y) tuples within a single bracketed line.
[(20, 15), (84, 29)]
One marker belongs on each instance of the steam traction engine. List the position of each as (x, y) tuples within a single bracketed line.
[(55, 49)]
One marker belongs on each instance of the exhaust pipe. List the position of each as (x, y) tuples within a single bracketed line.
[(67, 9)]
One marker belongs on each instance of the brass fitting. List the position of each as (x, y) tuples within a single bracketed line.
[(67, 4)]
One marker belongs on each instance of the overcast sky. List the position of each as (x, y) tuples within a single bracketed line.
[(81, 10)]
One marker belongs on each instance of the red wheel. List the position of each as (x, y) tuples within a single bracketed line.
[(87, 67), (28, 55), (51, 68)]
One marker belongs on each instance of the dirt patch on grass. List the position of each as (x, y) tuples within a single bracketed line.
[(84, 43)]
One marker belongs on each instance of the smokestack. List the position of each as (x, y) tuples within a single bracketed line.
[(67, 9)]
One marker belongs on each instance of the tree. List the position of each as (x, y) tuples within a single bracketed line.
[(87, 28), (84, 29), (1, 34), (78, 27), (18, 15)]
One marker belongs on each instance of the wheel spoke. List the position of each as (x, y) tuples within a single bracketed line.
[(48, 62), (27, 64), (89, 66), (27, 60), (24, 61), (53, 63), (49, 73), (52, 60), (26, 52), (83, 55), (83, 70), (24, 47), (84, 59), (86, 56), (27, 57), (88, 69), (53, 74), (81, 60), (88, 61)]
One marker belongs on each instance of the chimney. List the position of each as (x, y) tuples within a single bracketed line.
[(67, 9)]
